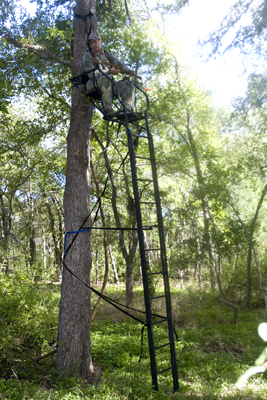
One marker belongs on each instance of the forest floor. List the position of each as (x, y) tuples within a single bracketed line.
[(211, 351)]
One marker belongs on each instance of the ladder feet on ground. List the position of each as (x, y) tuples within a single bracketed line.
[(147, 201)]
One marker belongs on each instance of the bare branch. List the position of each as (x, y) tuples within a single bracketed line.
[(234, 16), (127, 11)]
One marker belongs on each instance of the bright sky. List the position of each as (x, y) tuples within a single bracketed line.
[(222, 76)]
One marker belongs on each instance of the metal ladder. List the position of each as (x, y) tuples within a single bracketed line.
[(144, 135), (161, 270)]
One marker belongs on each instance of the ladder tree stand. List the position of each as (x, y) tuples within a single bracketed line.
[(139, 120)]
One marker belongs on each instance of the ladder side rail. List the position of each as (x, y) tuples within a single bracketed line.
[(163, 259), (147, 98), (143, 261)]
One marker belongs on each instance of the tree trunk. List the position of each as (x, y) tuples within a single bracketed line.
[(5, 232), (129, 254), (199, 275), (116, 278), (129, 283), (74, 352), (204, 202), (32, 224), (217, 272), (55, 235), (96, 266), (248, 280), (105, 239), (151, 285), (198, 265), (44, 251), (181, 256), (60, 228), (200, 180), (249, 255)]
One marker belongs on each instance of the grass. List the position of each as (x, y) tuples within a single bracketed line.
[(211, 351)]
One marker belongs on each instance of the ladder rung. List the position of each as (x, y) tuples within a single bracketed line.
[(163, 345), (155, 273), (160, 321), (145, 180), (157, 297), (148, 202), (142, 158), (141, 136), (152, 249), (164, 370)]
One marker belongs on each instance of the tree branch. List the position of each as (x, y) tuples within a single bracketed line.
[(33, 48), (249, 238), (127, 11)]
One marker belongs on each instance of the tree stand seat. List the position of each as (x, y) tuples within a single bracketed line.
[(94, 96)]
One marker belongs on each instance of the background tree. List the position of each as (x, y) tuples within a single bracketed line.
[(235, 33)]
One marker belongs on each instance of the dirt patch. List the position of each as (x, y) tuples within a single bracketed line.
[(96, 376)]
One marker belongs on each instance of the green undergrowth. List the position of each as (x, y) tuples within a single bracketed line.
[(211, 351)]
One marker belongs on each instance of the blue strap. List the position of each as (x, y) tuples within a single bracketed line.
[(72, 232)]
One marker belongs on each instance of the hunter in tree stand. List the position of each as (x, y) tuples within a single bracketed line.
[(260, 363), (96, 57)]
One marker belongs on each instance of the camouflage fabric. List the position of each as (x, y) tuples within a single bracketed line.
[(106, 87), (94, 36)]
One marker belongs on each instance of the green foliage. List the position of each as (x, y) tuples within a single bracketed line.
[(32, 175), (211, 352), (28, 324), (231, 152)]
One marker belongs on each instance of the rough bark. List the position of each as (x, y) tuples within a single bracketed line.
[(74, 353)]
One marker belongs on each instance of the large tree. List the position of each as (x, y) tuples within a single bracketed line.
[(74, 318), (41, 63)]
